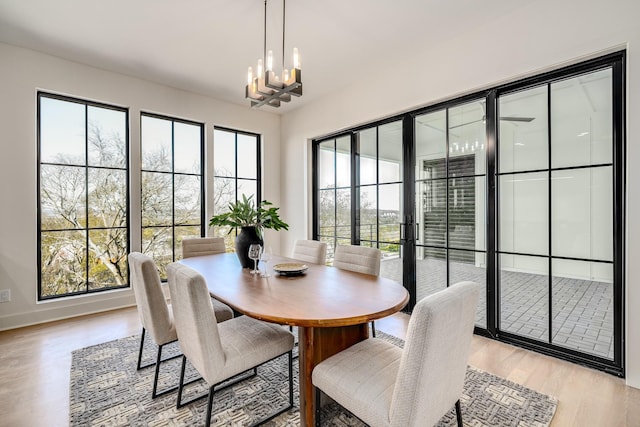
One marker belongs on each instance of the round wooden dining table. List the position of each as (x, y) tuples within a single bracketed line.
[(330, 307)]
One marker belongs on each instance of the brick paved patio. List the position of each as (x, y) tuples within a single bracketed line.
[(582, 309)]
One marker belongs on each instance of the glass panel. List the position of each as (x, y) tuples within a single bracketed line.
[(62, 132), (582, 120), (524, 213), (343, 162), (224, 153), (583, 306), (523, 130), (389, 212), (326, 165), (470, 266), (157, 242), (248, 188), (467, 134), (63, 262), (224, 192), (156, 144), (107, 258), (390, 152), (62, 197), (181, 233), (326, 213), (431, 271), (524, 296), (433, 215), (247, 156), (368, 213), (467, 213), (582, 214), (367, 156), (107, 198), (187, 203), (157, 199), (187, 148), (431, 145), (343, 213), (107, 135)]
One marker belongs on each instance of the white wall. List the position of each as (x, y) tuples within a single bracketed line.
[(22, 73), (544, 35)]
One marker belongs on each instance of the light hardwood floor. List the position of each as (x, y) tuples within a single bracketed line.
[(35, 364)]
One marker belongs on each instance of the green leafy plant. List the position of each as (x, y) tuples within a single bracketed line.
[(244, 213)]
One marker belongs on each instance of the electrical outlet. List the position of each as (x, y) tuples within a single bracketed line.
[(5, 295)]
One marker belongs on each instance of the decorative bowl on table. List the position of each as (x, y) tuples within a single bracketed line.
[(290, 268)]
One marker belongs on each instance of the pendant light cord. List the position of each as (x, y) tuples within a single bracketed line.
[(284, 2), (264, 47)]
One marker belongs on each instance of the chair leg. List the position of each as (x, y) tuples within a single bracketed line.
[(209, 405), (458, 413), (291, 378), (181, 383), (141, 347), (317, 402), (373, 328), (154, 394)]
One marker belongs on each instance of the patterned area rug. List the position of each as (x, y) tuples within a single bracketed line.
[(106, 390)]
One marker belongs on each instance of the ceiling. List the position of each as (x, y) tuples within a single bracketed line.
[(205, 46)]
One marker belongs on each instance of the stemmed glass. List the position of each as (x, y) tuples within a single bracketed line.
[(266, 257), (254, 253)]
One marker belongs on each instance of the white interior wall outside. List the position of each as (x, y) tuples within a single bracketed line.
[(509, 47)]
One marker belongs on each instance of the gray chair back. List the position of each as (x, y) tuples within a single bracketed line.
[(311, 251), (195, 320), (360, 259), (200, 246), (154, 312), (434, 360)]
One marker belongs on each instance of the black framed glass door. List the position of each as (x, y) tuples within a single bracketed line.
[(519, 188)]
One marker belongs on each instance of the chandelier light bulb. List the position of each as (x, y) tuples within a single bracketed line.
[(270, 60), (249, 75), (259, 68), (285, 75), (296, 58)]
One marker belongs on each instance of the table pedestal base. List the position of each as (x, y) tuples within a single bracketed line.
[(316, 345)]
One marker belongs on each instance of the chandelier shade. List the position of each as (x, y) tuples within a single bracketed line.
[(265, 87)]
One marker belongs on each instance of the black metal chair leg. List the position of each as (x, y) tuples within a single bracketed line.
[(141, 347), (181, 383), (317, 403), (458, 413), (154, 394), (209, 405), (291, 378), (373, 328)]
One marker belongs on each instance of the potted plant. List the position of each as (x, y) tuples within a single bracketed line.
[(252, 221)]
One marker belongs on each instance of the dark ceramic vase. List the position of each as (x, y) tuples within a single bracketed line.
[(247, 237)]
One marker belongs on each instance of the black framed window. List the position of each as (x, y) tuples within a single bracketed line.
[(237, 172), (172, 185), (83, 199)]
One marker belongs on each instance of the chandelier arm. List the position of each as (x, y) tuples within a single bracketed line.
[(264, 39), (284, 5)]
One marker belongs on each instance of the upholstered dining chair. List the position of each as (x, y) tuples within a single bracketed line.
[(361, 259), (385, 385), (198, 246), (220, 352), (311, 251), (155, 314)]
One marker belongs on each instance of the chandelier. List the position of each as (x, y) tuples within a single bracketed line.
[(266, 87)]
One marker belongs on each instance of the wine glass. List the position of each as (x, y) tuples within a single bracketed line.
[(254, 253), (266, 257)]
